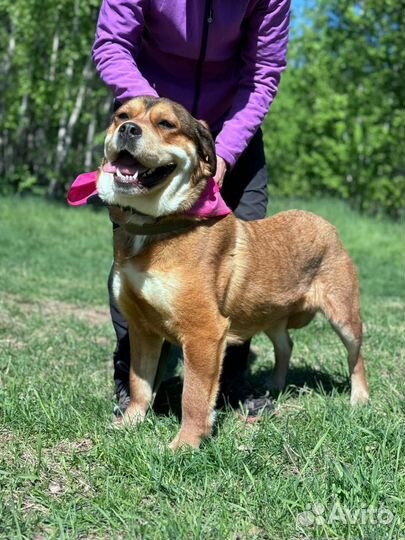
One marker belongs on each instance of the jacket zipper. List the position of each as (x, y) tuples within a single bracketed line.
[(208, 19)]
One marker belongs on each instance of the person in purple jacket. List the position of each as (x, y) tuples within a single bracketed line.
[(222, 60)]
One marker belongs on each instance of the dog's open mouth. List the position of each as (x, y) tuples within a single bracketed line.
[(129, 172)]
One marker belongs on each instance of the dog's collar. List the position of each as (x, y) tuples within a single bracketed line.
[(160, 227)]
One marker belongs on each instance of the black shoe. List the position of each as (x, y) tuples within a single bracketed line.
[(238, 393), (257, 406), (122, 393)]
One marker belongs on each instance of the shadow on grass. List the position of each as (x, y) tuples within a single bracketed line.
[(251, 386)]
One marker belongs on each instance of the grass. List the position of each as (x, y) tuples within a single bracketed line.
[(65, 474)]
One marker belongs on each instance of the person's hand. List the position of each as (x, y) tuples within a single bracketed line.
[(222, 167)]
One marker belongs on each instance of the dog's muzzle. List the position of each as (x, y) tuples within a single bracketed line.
[(128, 137)]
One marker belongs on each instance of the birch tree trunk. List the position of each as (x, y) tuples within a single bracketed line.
[(4, 80)]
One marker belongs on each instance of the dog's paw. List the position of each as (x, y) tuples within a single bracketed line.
[(359, 396), (184, 443), (129, 419), (118, 422)]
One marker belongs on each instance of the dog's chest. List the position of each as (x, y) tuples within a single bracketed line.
[(158, 289)]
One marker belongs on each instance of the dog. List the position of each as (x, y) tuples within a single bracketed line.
[(203, 283)]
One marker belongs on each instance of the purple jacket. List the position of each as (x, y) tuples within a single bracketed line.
[(221, 59)]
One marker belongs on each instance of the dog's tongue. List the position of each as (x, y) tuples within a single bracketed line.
[(125, 164), (109, 167)]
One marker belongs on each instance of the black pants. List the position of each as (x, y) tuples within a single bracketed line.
[(245, 191)]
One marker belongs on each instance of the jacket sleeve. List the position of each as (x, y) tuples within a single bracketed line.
[(263, 57), (115, 49)]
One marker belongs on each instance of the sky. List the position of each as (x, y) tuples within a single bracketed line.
[(298, 7)]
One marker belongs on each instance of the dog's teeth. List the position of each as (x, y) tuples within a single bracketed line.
[(127, 177)]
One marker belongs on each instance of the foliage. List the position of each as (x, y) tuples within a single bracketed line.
[(338, 125), (52, 102)]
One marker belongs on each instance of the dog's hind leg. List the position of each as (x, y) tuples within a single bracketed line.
[(351, 337), (145, 354), (203, 356), (340, 303), (283, 346)]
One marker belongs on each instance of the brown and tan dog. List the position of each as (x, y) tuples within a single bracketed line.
[(218, 280)]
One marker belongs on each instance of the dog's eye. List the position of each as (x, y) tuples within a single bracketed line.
[(166, 124), (123, 116)]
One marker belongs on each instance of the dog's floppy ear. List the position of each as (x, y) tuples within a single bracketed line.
[(206, 152)]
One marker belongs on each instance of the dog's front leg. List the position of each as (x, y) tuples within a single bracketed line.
[(145, 353), (203, 358)]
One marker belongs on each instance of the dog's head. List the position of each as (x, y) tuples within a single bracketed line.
[(157, 158)]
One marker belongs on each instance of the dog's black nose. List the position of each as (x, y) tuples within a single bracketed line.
[(130, 130)]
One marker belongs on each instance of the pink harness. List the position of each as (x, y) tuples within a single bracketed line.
[(210, 204)]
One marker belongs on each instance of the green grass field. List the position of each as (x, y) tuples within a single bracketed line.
[(314, 469)]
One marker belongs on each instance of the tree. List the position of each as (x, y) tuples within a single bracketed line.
[(47, 78), (340, 115)]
